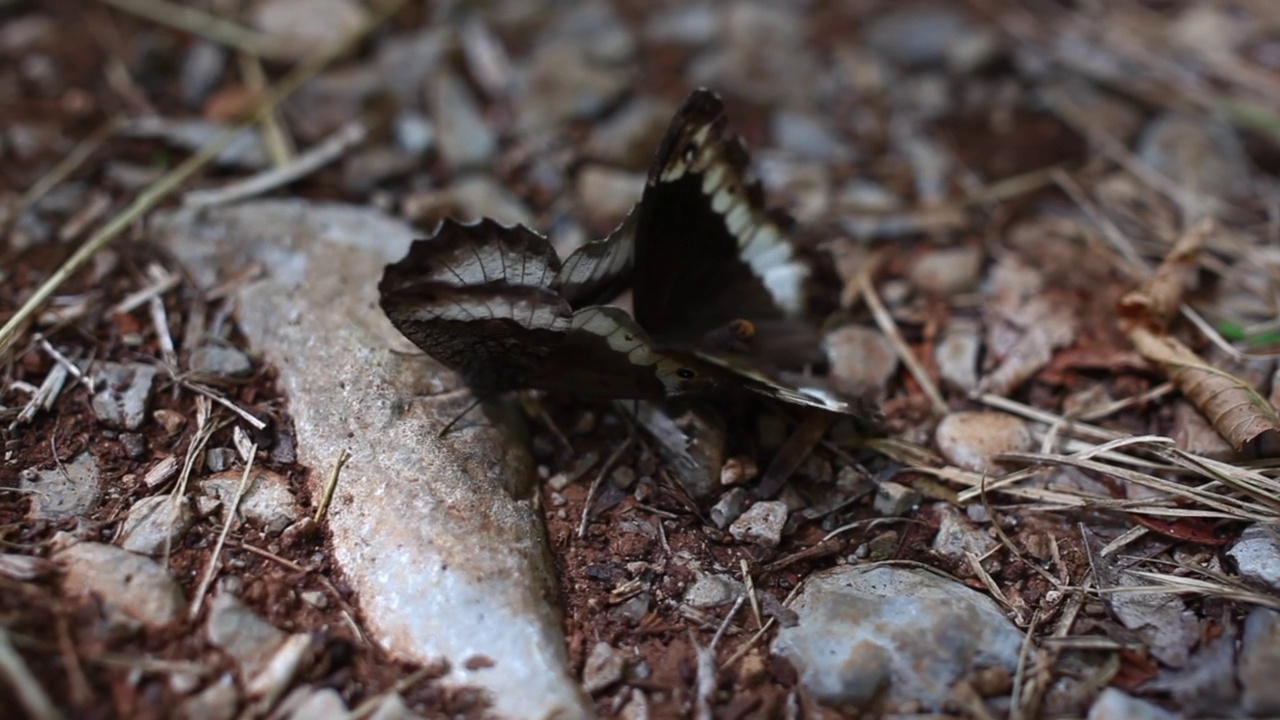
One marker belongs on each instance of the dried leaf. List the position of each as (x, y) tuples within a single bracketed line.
[(1156, 302), (1237, 411)]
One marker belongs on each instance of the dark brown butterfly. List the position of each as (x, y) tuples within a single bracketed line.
[(717, 290)]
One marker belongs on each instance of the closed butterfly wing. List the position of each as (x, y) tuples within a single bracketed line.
[(479, 298)]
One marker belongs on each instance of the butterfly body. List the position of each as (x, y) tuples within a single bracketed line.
[(717, 290)]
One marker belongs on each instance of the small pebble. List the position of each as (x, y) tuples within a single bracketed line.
[(219, 459), (729, 507), (623, 477), (761, 524), (862, 359), (710, 591), (603, 668), (1257, 555), (738, 470), (134, 445), (894, 499), (221, 360), (972, 440)]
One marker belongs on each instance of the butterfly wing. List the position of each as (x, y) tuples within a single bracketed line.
[(807, 392), (479, 298), (476, 298), (706, 250), (600, 270)]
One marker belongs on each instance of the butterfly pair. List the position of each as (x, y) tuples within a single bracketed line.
[(717, 290)]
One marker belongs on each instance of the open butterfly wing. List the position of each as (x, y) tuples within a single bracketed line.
[(706, 250), (599, 271), (478, 298)]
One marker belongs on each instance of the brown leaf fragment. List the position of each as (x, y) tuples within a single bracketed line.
[(1237, 411), (1156, 302)]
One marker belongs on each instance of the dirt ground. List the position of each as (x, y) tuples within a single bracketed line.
[(94, 62)]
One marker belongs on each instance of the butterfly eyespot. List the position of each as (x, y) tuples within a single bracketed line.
[(686, 373)]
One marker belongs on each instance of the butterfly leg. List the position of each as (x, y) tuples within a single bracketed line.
[(449, 425)]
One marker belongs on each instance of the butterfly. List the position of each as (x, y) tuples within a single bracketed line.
[(718, 290)]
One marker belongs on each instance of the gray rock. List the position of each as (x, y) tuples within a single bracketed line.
[(480, 196), (603, 668), (905, 632), (578, 71), (154, 523), (221, 360), (1207, 685), (627, 137), (236, 630), (918, 35), (623, 477), (691, 24), (134, 445), (246, 151), (281, 668), (972, 440), (607, 194), (957, 355), (124, 389), (894, 499), (432, 582), (1202, 154), (301, 28), (764, 49), (808, 137), (201, 70), (1259, 658), (131, 588), (219, 459), (807, 184), (25, 33), (761, 524), (366, 168), (947, 271), (466, 140), (305, 703), (487, 60), (729, 507), (70, 489), (414, 133), (862, 360), (1115, 704), (1160, 619), (216, 702), (710, 591), (267, 501), (958, 536), (1257, 555), (401, 65)]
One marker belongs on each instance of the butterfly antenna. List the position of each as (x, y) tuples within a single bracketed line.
[(445, 430)]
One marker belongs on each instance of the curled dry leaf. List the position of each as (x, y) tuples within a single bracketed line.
[(1156, 303), (1238, 412)]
